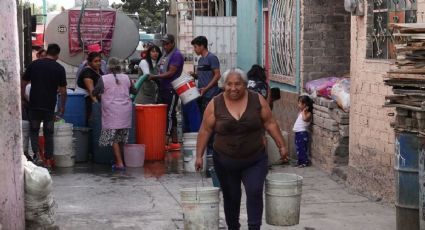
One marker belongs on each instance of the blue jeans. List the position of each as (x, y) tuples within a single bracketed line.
[(252, 173), (36, 117), (301, 145)]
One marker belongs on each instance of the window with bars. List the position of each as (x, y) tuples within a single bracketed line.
[(380, 13)]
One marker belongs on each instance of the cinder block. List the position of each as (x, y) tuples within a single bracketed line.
[(340, 116), (320, 108), (344, 130), (402, 112), (340, 150), (330, 124), (327, 103), (318, 120), (420, 115)]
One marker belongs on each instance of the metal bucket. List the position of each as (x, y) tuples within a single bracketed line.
[(407, 181), (283, 199), (200, 208)]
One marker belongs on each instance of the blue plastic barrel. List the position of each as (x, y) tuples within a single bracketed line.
[(407, 181), (101, 155), (75, 110), (104, 155), (191, 117)]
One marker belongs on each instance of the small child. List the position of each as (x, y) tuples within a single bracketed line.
[(305, 106)]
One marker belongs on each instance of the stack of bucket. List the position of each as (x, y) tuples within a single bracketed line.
[(189, 153), (75, 114), (64, 149)]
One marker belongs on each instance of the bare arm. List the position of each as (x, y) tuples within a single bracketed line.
[(172, 70), (90, 87), (306, 115), (204, 134), (213, 82), (272, 128), (63, 96)]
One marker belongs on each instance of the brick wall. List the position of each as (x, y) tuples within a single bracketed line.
[(371, 145), (325, 39), (285, 111)]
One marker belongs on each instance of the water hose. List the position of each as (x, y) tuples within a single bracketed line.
[(139, 84)]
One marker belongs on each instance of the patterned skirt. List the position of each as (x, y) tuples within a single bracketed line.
[(110, 136)]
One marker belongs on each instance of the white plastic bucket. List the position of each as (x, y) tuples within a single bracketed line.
[(186, 88), (189, 153), (200, 208), (273, 151), (64, 150), (283, 199), (134, 155), (25, 135)]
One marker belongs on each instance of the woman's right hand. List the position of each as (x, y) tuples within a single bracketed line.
[(199, 164)]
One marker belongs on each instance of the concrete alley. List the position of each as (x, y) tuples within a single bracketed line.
[(92, 197)]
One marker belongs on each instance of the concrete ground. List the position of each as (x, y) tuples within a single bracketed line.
[(92, 197)]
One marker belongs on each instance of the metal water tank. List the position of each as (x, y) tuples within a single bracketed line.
[(124, 40)]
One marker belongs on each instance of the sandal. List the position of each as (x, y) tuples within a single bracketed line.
[(118, 168)]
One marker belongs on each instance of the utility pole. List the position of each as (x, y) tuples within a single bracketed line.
[(11, 170)]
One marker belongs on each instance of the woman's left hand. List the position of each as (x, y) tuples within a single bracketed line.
[(199, 163), (284, 154)]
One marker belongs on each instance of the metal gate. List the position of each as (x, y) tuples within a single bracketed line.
[(282, 40), (221, 34), (206, 17)]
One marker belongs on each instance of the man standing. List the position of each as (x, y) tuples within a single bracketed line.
[(46, 77), (207, 72), (170, 68)]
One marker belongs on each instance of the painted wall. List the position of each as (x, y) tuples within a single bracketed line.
[(247, 34), (12, 216), (371, 163)]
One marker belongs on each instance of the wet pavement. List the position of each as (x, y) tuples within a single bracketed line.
[(91, 196)]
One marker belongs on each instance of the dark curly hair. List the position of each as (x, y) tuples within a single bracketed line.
[(306, 100)]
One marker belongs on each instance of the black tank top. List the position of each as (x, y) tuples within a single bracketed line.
[(238, 138)]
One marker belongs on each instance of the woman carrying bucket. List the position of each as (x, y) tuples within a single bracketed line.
[(115, 89), (238, 117)]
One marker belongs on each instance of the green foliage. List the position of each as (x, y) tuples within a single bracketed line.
[(150, 12)]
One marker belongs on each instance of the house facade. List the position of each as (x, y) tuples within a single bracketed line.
[(299, 41)]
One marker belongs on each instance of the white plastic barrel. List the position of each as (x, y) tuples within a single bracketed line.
[(200, 208), (63, 142), (273, 151), (25, 135), (283, 199), (185, 87), (134, 155), (189, 152)]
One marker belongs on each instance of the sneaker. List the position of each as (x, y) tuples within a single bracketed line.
[(302, 165), (174, 146), (49, 163)]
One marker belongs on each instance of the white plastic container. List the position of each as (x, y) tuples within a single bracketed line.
[(186, 88), (200, 208), (64, 150), (134, 155), (283, 199), (189, 153), (274, 157)]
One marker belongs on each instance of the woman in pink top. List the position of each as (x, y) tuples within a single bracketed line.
[(115, 89)]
